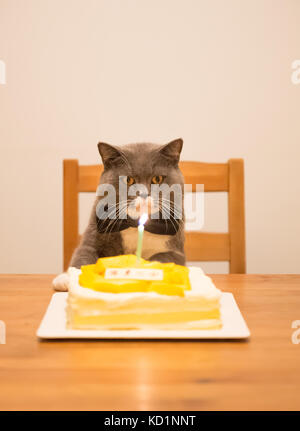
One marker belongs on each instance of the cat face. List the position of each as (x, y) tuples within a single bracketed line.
[(140, 173)]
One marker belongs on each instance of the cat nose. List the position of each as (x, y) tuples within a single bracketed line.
[(143, 204)]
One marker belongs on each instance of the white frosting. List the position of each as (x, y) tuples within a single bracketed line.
[(201, 287)]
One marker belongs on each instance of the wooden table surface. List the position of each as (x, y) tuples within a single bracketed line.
[(262, 373)]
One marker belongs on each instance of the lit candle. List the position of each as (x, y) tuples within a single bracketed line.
[(142, 221)]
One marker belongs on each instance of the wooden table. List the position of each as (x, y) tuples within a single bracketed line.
[(263, 373)]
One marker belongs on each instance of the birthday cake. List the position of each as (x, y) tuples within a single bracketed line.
[(119, 293)]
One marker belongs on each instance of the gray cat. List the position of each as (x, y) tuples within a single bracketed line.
[(142, 164)]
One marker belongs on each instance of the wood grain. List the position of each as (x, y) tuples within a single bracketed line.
[(89, 176), (236, 217), (260, 374), (214, 176), (70, 208)]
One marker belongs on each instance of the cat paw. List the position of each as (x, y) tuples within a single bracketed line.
[(61, 282)]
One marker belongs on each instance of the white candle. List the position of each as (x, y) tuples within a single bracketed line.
[(142, 221)]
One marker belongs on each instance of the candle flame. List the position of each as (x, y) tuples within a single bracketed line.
[(143, 219)]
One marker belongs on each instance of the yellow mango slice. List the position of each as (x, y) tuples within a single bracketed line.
[(102, 284), (175, 277), (166, 289)]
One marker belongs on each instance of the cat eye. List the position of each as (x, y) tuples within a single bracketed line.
[(129, 180), (157, 179)]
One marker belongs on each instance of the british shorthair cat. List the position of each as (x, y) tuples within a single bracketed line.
[(142, 177)]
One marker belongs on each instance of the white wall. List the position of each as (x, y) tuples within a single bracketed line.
[(217, 73)]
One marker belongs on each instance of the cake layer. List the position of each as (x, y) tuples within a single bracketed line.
[(151, 321), (92, 322), (90, 309)]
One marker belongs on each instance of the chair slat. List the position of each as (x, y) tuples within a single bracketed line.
[(214, 176), (207, 246), (89, 177), (236, 216), (70, 208)]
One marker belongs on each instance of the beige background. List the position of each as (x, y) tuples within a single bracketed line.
[(217, 73)]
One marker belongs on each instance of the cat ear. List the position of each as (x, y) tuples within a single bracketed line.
[(172, 150), (108, 153)]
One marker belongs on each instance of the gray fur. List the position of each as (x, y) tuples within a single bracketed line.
[(141, 161)]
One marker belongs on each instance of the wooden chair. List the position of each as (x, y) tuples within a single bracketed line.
[(199, 246)]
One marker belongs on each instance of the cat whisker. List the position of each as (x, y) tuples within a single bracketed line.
[(112, 222), (171, 211), (177, 211), (113, 208), (117, 219), (164, 213), (120, 211)]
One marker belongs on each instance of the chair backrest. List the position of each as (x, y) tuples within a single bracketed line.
[(199, 246)]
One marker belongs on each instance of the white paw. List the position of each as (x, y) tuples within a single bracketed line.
[(61, 282)]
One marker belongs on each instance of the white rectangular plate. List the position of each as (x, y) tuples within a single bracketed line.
[(53, 325)]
